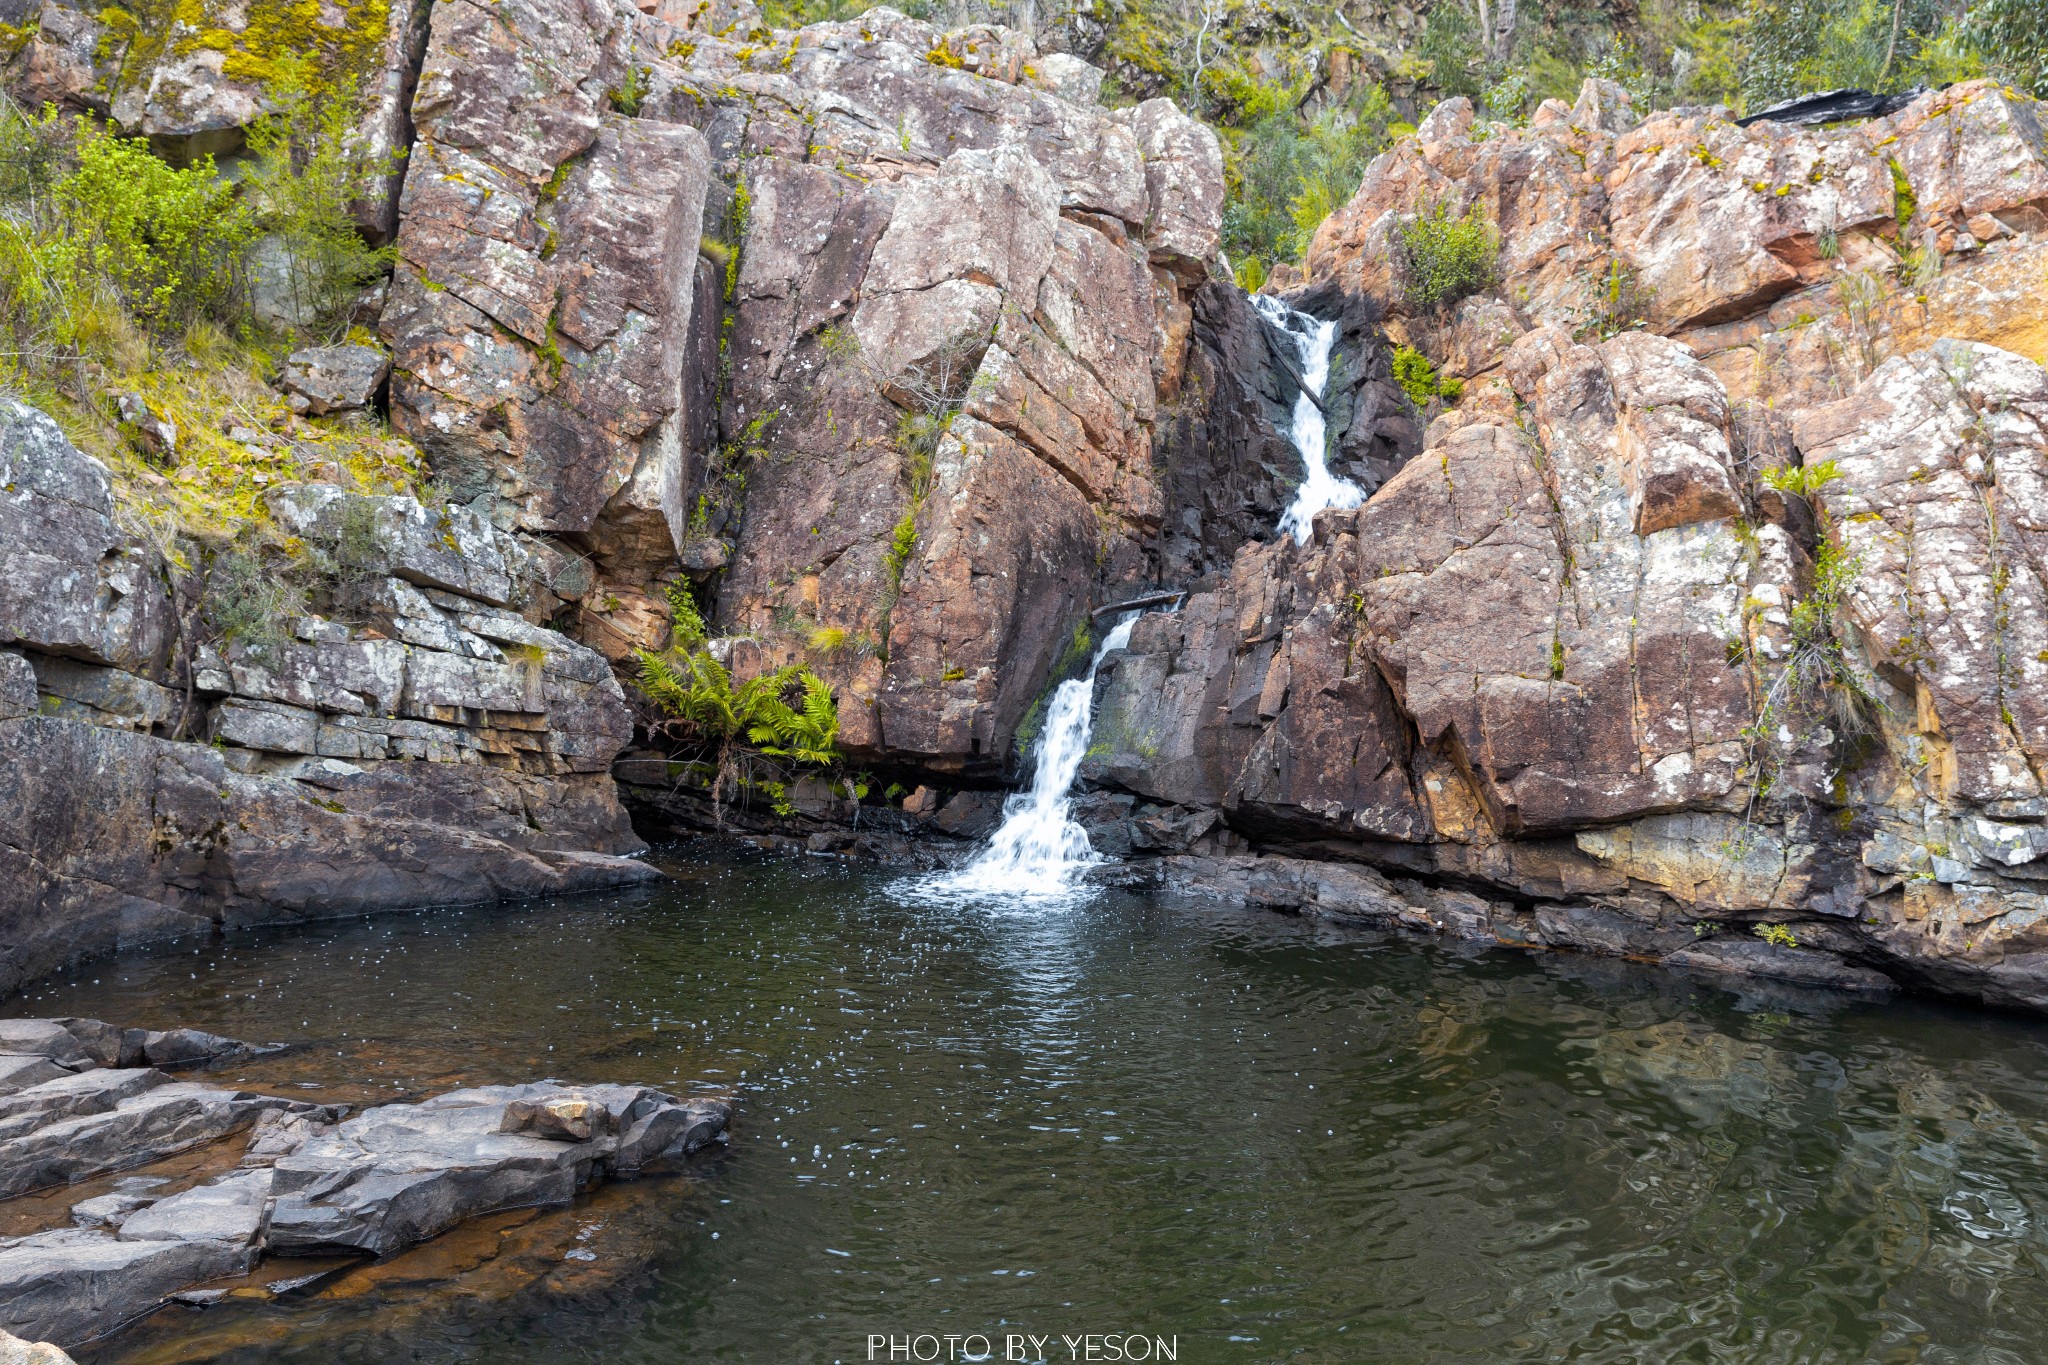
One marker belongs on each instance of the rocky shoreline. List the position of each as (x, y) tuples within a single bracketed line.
[(83, 1101)]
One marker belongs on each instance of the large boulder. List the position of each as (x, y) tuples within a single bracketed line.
[(74, 584), (401, 1173)]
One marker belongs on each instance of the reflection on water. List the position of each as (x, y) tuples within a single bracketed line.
[(1275, 1140)]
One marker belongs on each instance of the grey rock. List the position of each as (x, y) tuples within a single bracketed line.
[(170, 1048), (233, 1209), (397, 1174), (110, 1209), (448, 547), (111, 838), (18, 695), (156, 434), (266, 726), (1804, 966), (18, 1072), (74, 1284), (85, 1092), (159, 1122), (70, 1043), (325, 379), (71, 583), (15, 1351), (101, 695)]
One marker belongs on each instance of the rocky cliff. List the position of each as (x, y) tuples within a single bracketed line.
[(1701, 627), (1706, 627), (434, 747)]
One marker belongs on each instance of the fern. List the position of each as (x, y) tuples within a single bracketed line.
[(698, 694), (805, 733)]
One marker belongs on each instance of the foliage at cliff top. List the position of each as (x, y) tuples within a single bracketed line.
[(1304, 95)]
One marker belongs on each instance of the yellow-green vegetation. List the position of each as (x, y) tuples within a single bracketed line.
[(126, 314), (632, 92), (1777, 935), (121, 275), (337, 42), (1442, 258), (1419, 379)]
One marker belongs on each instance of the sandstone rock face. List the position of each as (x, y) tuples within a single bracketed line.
[(1566, 659), (440, 749), (1579, 674), (548, 247), (947, 289), (1769, 248)]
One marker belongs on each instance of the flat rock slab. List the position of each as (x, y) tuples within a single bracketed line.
[(398, 1174), (74, 1284)]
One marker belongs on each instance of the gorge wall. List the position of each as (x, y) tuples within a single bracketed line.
[(899, 354), (1594, 670)]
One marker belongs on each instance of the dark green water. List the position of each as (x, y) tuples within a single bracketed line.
[(1269, 1140)]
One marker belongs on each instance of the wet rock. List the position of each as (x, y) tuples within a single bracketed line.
[(1754, 957), (163, 1118), (107, 1210), (327, 379), (232, 1209), (397, 1174), (86, 1092), (74, 1044), (168, 1049), (565, 1118)]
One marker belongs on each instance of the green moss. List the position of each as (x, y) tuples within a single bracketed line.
[(1902, 189)]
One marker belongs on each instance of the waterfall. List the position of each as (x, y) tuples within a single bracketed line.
[(1313, 339), (1039, 851)]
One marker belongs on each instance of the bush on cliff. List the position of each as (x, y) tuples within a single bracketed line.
[(1442, 258), (788, 714)]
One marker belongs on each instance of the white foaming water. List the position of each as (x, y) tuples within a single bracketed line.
[(1313, 340), (1040, 852)]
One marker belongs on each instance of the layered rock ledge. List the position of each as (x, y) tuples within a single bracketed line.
[(83, 1099), (438, 748)]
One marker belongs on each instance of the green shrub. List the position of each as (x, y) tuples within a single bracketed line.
[(1284, 175), (168, 243), (1419, 379), (1442, 258)]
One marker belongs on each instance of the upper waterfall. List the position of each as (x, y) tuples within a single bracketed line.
[(1313, 340)]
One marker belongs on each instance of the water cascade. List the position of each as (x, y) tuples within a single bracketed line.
[(1313, 340), (1040, 851)]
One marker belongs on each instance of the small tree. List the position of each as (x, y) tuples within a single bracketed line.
[(166, 242), (307, 172)]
